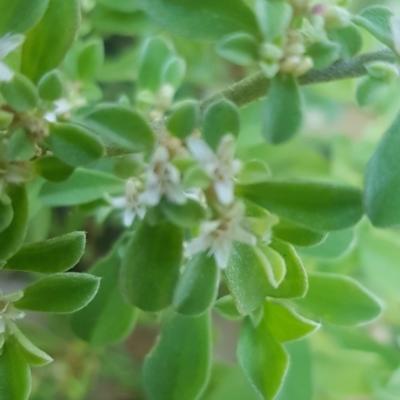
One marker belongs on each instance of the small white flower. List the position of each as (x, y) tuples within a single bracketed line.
[(130, 203), (163, 178), (8, 44), (217, 236), (221, 166), (8, 312)]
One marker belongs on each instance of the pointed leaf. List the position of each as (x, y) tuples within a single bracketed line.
[(179, 365), (49, 256), (174, 72), (238, 48), (60, 293), (51, 86), (90, 60), (150, 268), (183, 119), (274, 264)]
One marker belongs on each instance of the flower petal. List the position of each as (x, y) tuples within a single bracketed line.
[(225, 191), (200, 151)]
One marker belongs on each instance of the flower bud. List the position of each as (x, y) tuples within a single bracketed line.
[(270, 52), (290, 64), (305, 65), (335, 17)]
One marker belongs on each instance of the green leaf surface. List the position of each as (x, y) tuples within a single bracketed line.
[(227, 308), (174, 72), (197, 287), (179, 365), (121, 127), (340, 300), (315, 205), (324, 53), (6, 214), (263, 360), (83, 186), (382, 202), (184, 119), (185, 215), (349, 39), (46, 45), (220, 119), (21, 146), (150, 269), (285, 324), (13, 236), (370, 91), (51, 86), (238, 48), (90, 60), (207, 19), (20, 15), (49, 256), (15, 375), (282, 111), (61, 293), (74, 145), (52, 169), (107, 319)]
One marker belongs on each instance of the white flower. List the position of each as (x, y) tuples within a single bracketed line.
[(163, 178), (130, 203), (221, 166), (8, 312), (217, 236), (8, 44)]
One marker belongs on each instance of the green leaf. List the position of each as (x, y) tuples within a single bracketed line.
[(274, 265), (49, 256), (20, 15), (107, 319), (349, 38), (20, 93), (120, 5), (21, 146), (371, 91), (6, 214), (150, 269), (382, 203), (15, 375), (282, 110), (90, 60), (220, 119), (285, 324), (74, 145), (324, 54), (315, 205), (174, 72), (263, 360), (340, 300), (62, 293), (51, 86), (376, 20), (83, 186), (184, 215), (184, 118), (46, 45), (32, 354), (121, 127), (238, 48), (13, 236), (254, 171), (227, 308), (179, 365), (207, 19), (296, 234), (197, 287), (52, 169)]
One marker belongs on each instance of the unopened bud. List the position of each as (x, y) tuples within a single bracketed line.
[(295, 49), (165, 97), (335, 17), (290, 64), (306, 64), (270, 52)]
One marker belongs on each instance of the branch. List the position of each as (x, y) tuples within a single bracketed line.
[(256, 86)]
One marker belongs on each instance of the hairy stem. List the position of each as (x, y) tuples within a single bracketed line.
[(256, 86)]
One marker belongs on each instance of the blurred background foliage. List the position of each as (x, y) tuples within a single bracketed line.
[(337, 140)]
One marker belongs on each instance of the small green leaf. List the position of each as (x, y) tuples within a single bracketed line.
[(107, 319), (52, 169), (184, 215), (6, 214), (15, 375), (285, 324), (121, 127), (46, 45), (51, 86), (184, 118), (382, 203), (238, 48), (49, 256), (274, 265), (282, 113), (179, 365), (371, 91), (13, 236), (197, 287), (220, 119), (174, 72), (83, 186), (74, 145), (20, 93), (20, 15), (263, 360), (227, 308), (340, 300), (21, 146), (32, 354), (376, 20), (253, 172), (349, 39), (150, 269), (90, 60), (207, 19), (324, 54), (296, 234), (62, 293), (316, 205)]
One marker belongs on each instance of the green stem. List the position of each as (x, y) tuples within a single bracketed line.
[(256, 86)]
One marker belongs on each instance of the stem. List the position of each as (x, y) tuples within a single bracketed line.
[(256, 86)]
